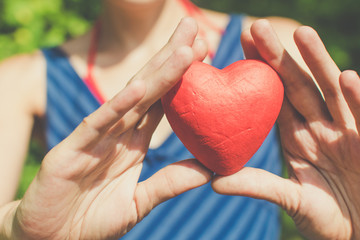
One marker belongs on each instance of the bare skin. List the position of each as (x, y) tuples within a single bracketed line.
[(320, 142), (122, 50), (320, 139)]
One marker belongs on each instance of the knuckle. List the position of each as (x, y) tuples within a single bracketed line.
[(86, 122)]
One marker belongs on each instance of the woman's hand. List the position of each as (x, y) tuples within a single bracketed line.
[(87, 187), (319, 135)]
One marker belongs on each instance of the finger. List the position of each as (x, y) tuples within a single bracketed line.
[(248, 44), (290, 123), (168, 74), (159, 82), (163, 71), (288, 117), (147, 125), (152, 118), (96, 124), (260, 184), (350, 86), (325, 72), (168, 183), (299, 86), (184, 35), (155, 114), (200, 50)]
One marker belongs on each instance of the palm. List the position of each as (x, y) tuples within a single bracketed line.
[(108, 186), (114, 184), (104, 202), (324, 198)]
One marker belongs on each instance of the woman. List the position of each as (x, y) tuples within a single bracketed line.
[(61, 86)]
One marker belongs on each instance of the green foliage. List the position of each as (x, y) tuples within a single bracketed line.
[(26, 25), (32, 166), (337, 22), (29, 24)]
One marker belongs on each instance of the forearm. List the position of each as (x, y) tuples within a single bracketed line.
[(7, 214)]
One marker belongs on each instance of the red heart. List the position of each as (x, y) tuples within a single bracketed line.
[(223, 116)]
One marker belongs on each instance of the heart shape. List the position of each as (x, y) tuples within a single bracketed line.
[(223, 116)]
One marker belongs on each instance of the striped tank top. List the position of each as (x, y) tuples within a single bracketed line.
[(198, 214)]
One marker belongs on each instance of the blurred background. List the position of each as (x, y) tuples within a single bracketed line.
[(26, 25)]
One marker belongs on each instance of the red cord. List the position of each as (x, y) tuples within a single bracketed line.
[(192, 11), (89, 79)]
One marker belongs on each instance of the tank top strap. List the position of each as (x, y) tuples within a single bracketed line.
[(230, 49), (89, 78), (68, 98)]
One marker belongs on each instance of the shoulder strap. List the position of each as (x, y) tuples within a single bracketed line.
[(68, 98), (89, 79), (230, 49)]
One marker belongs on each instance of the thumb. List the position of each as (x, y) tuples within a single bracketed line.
[(168, 183), (260, 184)]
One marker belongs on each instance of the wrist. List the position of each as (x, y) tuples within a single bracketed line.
[(7, 215)]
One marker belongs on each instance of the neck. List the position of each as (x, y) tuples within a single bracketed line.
[(127, 24)]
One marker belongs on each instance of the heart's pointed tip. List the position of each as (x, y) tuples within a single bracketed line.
[(227, 172)]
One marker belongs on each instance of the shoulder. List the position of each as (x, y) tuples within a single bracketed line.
[(32, 63), (22, 79)]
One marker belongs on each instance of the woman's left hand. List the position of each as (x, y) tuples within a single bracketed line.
[(319, 137)]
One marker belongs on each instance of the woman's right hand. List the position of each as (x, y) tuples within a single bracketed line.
[(87, 187)]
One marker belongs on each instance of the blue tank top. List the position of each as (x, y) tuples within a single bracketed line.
[(198, 214)]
